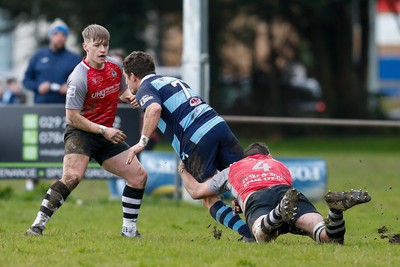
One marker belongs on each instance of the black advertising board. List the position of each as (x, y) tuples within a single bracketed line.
[(32, 140)]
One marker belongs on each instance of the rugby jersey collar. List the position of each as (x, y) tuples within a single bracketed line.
[(146, 77)]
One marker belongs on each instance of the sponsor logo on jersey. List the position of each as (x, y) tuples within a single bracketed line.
[(71, 91), (144, 99), (99, 94), (194, 101)]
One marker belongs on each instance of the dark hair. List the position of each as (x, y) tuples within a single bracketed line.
[(139, 63), (256, 148)]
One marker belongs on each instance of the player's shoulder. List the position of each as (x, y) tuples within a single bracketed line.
[(79, 73), (114, 61)]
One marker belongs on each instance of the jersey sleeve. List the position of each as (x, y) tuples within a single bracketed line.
[(123, 86), (218, 184), (77, 88), (147, 95)]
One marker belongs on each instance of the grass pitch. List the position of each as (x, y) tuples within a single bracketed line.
[(85, 231)]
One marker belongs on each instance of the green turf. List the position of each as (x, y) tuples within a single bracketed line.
[(181, 234)]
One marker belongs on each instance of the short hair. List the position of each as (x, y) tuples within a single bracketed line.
[(256, 148), (139, 63), (95, 32), (11, 81)]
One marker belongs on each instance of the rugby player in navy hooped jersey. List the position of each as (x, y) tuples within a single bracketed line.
[(200, 137), (94, 88)]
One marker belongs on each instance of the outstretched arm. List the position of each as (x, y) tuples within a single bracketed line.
[(195, 189), (151, 117)]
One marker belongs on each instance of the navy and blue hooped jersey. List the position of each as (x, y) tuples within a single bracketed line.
[(185, 117)]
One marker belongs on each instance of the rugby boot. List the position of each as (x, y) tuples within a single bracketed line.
[(288, 204), (34, 231), (345, 200), (130, 232)]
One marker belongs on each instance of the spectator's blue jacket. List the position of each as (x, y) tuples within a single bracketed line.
[(54, 67)]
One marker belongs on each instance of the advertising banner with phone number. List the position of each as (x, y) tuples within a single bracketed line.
[(32, 141)]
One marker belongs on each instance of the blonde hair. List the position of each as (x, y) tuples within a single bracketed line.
[(95, 32)]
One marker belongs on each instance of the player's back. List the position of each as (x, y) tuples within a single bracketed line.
[(185, 116)]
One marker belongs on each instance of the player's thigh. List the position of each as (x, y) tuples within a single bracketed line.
[(229, 149), (133, 173), (307, 222), (216, 150)]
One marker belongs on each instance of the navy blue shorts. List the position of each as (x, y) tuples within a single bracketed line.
[(263, 201), (93, 145), (218, 149)]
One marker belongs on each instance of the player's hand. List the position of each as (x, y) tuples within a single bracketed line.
[(236, 207), (131, 99), (44, 88), (134, 102), (133, 151), (114, 135), (63, 89), (181, 167)]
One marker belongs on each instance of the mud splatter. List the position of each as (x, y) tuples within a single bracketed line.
[(217, 233), (385, 233)]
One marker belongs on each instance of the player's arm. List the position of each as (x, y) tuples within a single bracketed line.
[(195, 189), (74, 118), (129, 98), (151, 117)]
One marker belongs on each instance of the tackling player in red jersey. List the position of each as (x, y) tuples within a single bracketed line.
[(94, 88), (263, 190)]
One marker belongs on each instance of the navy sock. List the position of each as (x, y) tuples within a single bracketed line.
[(224, 214)]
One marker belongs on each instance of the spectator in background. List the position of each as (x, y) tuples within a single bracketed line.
[(48, 71), (12, 93), (49, 68)]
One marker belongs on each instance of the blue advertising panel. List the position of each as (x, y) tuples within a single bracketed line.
[(309, 176), (161, 170)]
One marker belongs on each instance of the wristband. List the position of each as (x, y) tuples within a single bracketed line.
[(143, 140), (55, 87), (102, 129)]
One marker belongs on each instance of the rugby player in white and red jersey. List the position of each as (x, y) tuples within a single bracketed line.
[(94, 88), (263, 189)]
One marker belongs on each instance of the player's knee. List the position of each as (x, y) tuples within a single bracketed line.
[(71, 180), (137, 179)]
